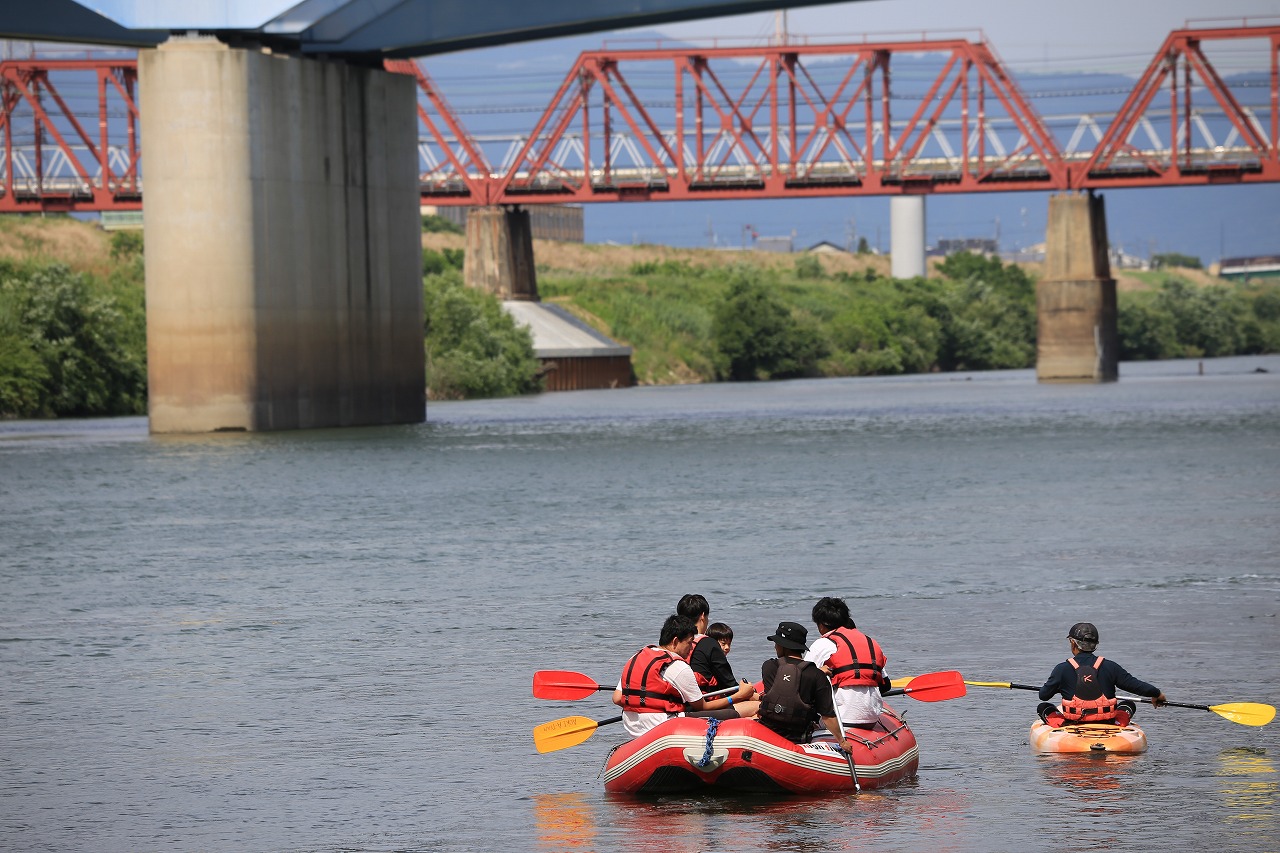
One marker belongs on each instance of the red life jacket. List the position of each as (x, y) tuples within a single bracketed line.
[(1088, 704), (706, 683), (858, 660), (644, 690)]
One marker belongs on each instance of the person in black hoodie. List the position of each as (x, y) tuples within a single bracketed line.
[(1088, 684), (707, 658)]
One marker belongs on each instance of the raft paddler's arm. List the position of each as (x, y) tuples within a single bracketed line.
[(833, 726)]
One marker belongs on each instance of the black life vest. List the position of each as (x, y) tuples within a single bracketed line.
[(781, 707), (1089, 703)]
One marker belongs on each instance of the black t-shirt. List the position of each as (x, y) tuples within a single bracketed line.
[(708, 660)]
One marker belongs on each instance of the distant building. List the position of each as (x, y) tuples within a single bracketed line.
[(1025, 255), (1120, 260), (120, 220), (782, 245), (563, 222), (827, 248), (1259, 266), (977, 245), (574, 356)]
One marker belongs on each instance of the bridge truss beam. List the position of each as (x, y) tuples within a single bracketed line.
[(782, 121)]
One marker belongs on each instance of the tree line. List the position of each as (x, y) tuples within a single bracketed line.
[(74, 345)]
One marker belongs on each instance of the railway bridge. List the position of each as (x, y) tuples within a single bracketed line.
[(286, 162)]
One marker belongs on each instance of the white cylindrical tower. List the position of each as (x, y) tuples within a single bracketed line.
[(906, 236)]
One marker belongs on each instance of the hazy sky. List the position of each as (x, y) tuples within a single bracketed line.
[(1024, 32)]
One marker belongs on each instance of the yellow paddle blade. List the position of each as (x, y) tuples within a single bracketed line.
[(1246, 713), (1005, 684), (901, 682), (563, 733)]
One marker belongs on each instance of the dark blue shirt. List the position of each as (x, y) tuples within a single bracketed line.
[(1110, 676)]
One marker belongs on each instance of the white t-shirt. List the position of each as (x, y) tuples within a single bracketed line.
[(856, 705), (680, 676)]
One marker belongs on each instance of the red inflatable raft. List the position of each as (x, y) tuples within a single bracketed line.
[(690, 753)]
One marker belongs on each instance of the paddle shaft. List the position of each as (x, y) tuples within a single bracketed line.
[(848, 756)]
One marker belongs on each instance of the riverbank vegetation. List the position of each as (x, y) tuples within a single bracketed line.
[(72, 327)]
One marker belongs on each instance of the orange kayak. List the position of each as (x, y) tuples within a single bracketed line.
[(1087, 737)]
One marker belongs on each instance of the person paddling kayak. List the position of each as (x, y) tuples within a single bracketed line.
[(1088, 685)]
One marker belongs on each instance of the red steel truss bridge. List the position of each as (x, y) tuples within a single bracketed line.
[(782, 121)]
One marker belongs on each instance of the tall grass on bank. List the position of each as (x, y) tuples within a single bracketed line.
[(977, 313)]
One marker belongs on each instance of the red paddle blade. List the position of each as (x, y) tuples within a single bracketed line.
[(562, 684), (936, 686)]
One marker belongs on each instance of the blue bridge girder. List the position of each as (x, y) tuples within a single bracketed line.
[(360, 30)]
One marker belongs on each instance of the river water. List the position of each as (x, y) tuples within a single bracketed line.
[(324, 641)]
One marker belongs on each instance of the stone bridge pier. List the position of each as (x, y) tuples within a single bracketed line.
[(499, 256), (1077, 338)]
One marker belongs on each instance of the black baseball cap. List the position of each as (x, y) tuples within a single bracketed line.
[(790, 635), (1084, 633)]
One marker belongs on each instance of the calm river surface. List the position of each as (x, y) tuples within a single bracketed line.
[(324, 641)]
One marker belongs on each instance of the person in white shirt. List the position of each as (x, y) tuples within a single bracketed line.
[(658, 684), (854, 661)]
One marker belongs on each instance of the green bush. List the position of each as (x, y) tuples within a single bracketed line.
[(987, 316), (435, 224), (68, 347), (1175, 259), (875, 338), (808, 266), (758, 338), (1147, 331), (125, 245), (434, 263), (473, 347)]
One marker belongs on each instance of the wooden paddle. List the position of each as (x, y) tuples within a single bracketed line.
[(1244, 713)]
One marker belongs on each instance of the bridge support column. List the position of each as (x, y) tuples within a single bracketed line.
[(1077, 338), (906, 236), (500, 253), (283, 257)]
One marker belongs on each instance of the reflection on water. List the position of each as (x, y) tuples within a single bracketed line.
[(564, 822), (939, 820), (1249, 787), (1087, 774), (1096, 786)]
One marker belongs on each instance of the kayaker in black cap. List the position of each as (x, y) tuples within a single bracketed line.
[(797, 693), (1088, 685)]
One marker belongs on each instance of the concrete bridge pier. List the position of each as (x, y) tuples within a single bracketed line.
[(1078, 338), (499, 255), (283, 258)]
